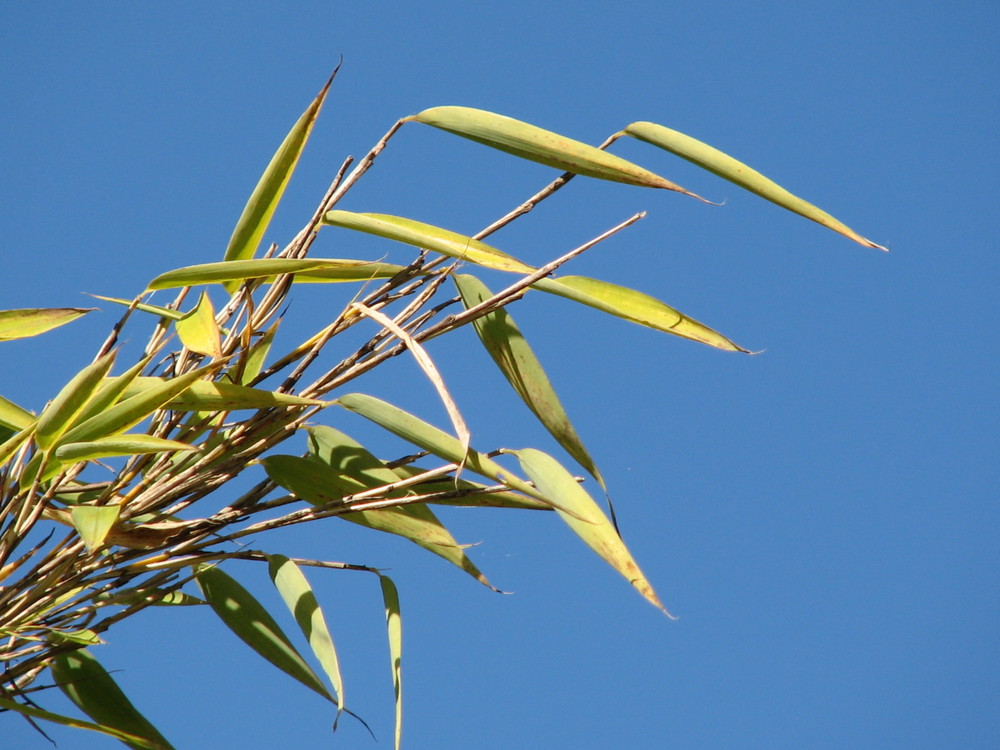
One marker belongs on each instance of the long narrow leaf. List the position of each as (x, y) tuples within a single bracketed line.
[(85, 682), (70, 401), (543, 146), (301, 601), (248, 619), (394, 630), (428, 237), (209, 395), (227, 272), (264, 200), (518, 363), (118, 445), (13, 416), (20, 324), (67, 721), (634, 306), (725, 166), (588, 521)]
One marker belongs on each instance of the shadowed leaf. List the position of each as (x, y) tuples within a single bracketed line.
[(93, 522)]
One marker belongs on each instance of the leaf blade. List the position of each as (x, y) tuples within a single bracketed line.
[(28, 322)]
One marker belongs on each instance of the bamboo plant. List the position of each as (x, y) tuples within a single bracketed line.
[(110, 492)]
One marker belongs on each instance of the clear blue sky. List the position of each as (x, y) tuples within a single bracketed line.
[(822, 517)]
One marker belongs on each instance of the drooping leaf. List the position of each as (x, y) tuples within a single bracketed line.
[(588, 521), (394, 630), (211, 395), (71, 400), (543, 146), (429, 237), (85, 682), (518, 363), (93, 522), (267, 194), (301, 601), (634, 306), (37, 713), (198, 330), (130, 411), (308, 480), (248, 619), (737, 172), (20, 324), (118, 445), (474, 494)]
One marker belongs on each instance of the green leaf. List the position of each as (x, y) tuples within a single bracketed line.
[(737, 172), (198, 330), (543, 146), (248, 619), (163, 312), (588, 521), (111, 391), (264, 200), (20, 324), (209, 395), (394, 630), (85, 682), (12, 444), (428, 237), (129, 412), (414, 430), (634, 306), (118, 445), (13, 416), (518, 363), (301, 602), (479, 495), (230, 271), (93, 522), (70, 402), (36, 713)]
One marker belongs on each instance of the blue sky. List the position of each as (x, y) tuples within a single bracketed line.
[(821, 517)]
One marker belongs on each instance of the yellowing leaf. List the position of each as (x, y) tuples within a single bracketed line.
[(198, 330), (725, 166), (588, 521), (93, 522), (543, 146), (20, 324), (428, 237)]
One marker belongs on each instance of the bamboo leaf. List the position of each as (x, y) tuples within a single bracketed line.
[(308, 480), (301, 602), (248, 619), (129, 412), (210, 395), (227, 272), (267, 194), (13, 416), (21, 324), (588, 521), (198, 330), (543, 146), (93, 522), (163, 312), (737, 172), (394, 630), (634, 306), (12, 444), (70, 401), (36, 713), (111, 392), (518, 363), (118, 445), (477, 495), (428, 237), (85, 682)]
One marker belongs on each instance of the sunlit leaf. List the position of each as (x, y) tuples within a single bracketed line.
[(20, 324), (301, 602), (634, 306), (248, 619), (70, 401), (198, 330), (13, 416), (267, 194), (118, 445), (163, 312), (93, 522), (94, 691), (518, 363), (543, 146), (588, 521), (210, 395), (254, 268), (428, 237), (394, 630), (728, 168), (475, 494)]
